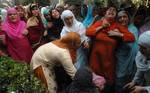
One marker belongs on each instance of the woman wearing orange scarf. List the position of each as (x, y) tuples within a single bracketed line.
[(58, 52)]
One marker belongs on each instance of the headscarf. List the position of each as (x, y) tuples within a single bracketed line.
[(127, 52), (144, 39), (143, 64), (76, 27), (145, 27), (68, 13), (30, 7), (23, 18), (44, 11), (32, 20), (12, 29), (82, 82), (60, 8), (72, 40), (20, 7), (121, 13)]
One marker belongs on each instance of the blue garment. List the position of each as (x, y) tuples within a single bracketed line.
[(126, 53), (83, 53), (44, 10), (82, 59), (89, 17)]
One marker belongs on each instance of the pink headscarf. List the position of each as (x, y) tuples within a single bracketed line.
[(13, 29)]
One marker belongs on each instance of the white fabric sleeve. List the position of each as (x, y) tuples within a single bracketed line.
[(63, 32), (147, 88), (67, 64), (138, 78), (82, 32)]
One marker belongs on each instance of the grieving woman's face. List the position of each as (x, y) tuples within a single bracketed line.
[(21, 12), (145, 51), (55, 14), (13, 17), (123, 19), (35, 11), (111, 12), (69, 21)]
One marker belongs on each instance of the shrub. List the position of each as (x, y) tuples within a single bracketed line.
[(16, 77)]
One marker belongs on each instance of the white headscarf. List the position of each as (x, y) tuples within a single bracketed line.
[(144, 39), (77, 26), (141, 61), (121, 13), (3, 14)]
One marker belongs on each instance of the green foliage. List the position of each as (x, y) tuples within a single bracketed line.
[(139, 2), (72, 2), (43, 2), (17, 77)]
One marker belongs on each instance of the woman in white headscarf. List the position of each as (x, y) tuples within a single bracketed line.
[(72, 25), (143, 66)]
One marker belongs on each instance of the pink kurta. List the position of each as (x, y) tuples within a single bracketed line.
[(19, 48), (17, 43)]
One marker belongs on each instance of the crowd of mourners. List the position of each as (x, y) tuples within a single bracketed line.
[(80, 49)]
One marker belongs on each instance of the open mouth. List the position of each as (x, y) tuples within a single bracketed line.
[(111, 14), (12, 18)]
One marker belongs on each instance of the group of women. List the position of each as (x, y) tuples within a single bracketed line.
[(107, 44)]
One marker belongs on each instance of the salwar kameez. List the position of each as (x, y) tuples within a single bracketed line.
[(47, 57), (102, 58)]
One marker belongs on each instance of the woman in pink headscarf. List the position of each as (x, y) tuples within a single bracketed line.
[(17, 43)]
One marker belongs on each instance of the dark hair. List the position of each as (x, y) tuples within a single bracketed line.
[(142, 10), (96, 9), (110, 7), (50, 12), (82, 82), (33, 6), (30, 8), (60, 8), (19, 7)]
